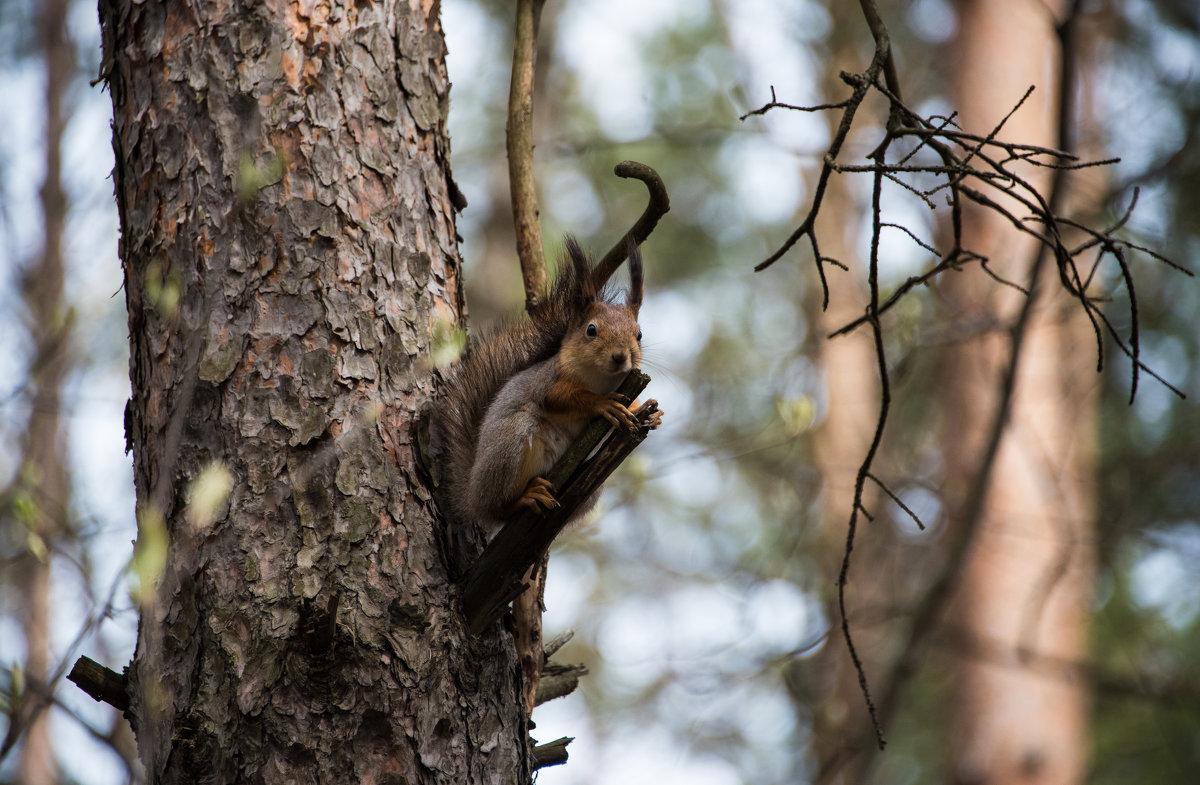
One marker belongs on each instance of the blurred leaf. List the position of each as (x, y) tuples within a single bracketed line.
[(17, 684), (797, 414), (253, 177), (24, 508), (149, 552), (163, 288), (449, 342), (37, 546), (208, 495)]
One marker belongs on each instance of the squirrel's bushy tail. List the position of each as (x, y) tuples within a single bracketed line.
[(491, 359)]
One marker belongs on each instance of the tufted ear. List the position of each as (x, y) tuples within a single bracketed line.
[(634, 298), (583, 283)]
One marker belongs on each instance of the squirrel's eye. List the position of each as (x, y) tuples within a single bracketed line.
[(639, 335), (591, 331)]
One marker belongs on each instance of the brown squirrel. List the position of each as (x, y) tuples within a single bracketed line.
[(521, 394)]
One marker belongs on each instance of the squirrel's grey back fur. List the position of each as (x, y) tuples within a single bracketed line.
[(489, 362)]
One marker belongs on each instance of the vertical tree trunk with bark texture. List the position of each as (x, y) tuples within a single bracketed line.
[(288, 242), (1025, 587)]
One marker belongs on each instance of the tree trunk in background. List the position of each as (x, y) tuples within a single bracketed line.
[(288, 243), (1023, 598), (43, 473)]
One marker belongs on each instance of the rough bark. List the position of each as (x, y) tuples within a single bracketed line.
[(288, 242), (1025, 587), (43, 473)]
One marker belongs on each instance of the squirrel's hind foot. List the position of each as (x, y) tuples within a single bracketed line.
[(538, 495)]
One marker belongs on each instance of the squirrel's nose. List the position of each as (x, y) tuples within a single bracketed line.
[(618, 358)]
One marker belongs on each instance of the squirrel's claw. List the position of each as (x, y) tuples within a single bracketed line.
[(653, 416), (614, 410), (538, 495)]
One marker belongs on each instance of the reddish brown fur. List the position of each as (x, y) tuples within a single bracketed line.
[(534, 382)]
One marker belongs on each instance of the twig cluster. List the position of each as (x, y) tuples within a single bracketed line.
[(971, 168), (935, 160)]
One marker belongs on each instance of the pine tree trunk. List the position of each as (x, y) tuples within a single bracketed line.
[(288, 243), (1017, 714)]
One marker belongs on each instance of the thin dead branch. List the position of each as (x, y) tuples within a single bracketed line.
[(885, 398), (899, 502), (775, 104)]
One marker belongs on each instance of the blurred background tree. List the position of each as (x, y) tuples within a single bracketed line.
[(702, 596), (40, 494), (64, 482)]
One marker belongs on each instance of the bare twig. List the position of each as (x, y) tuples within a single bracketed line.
[(951, 261), (43, 699), (864, 470), (775, 104), (899, 502), (883, 47), (912, 236), (860, 83), (520, 152)]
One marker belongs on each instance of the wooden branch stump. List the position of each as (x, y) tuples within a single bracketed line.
[(552, 753), (100, 682)]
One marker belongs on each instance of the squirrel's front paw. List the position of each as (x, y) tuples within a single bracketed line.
[(653, 416), (538, 495), (613, 409)]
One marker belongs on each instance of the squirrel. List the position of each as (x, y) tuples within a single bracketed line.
[(521, 394)]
